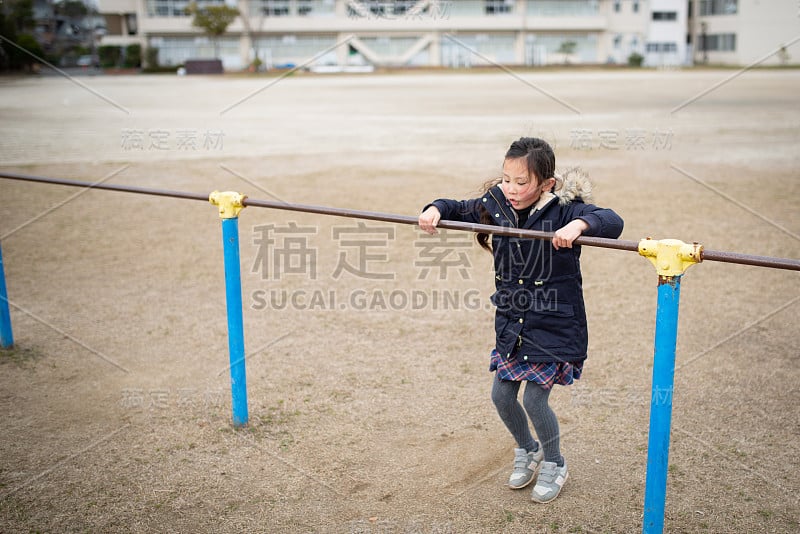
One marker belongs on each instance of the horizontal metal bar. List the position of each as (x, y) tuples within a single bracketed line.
[(618, 244), (452, 225), (107, 187), (749, 259)]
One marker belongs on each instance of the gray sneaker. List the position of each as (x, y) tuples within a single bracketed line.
[(551, 480), (525, 464)]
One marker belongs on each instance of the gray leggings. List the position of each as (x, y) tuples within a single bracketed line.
[(504, 396)]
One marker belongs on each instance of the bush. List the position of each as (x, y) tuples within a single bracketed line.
[(133, 56), (109, 56), (28, 43), (151, 57), (635, 60)]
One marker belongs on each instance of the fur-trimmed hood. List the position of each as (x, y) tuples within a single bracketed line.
[(573, 183)]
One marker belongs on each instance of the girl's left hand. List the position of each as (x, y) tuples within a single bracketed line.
[(564, 236)]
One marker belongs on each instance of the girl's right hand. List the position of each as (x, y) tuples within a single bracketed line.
[(428, 220)]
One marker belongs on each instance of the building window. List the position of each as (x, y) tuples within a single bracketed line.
[(304, 7), (275, 8), (563, 8), (376, 8), (175, 8), (130, 22), (718, 42), (665, 15), (635, 6), (662, 47), (719, 7), (495, 7), (617, 6), (382, 8), (617, 41)]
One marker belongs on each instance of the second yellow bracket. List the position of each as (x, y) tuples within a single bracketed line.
[(671, 257), (230, 203)]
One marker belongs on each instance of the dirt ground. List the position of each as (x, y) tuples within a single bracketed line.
[(367, 358)]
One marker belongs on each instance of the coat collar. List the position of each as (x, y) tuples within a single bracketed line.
[(504, 214)]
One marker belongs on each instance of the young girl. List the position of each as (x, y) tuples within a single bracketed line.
[(540, 322)]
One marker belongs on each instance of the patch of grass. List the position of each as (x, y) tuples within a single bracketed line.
[(20, 356), (738, 453), (278, 415), (287, 441), (766, 514), (673, 470)]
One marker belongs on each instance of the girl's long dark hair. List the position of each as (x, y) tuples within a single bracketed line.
[(541, 163)]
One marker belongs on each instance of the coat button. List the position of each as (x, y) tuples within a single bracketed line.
[(508, 356), (521, 320), (497, 215), (525, 358), (484, 199), (521, 281)]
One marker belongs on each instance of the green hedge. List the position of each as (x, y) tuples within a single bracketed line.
[(133, 56), (109, 56)]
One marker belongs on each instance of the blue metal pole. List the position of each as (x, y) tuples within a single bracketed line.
[(6, 334), (233, 298), (655, 493)]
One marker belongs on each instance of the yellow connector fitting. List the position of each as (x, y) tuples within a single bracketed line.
[(671, 257), (230, 203)]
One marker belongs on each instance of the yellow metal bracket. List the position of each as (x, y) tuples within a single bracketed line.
[(230, 203), (671, 257)]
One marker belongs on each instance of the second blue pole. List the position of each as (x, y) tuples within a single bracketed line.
[(671, 258), (669, 291), (233, 300), (230, 204)]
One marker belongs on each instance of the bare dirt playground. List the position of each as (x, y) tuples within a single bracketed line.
[(368, 414)]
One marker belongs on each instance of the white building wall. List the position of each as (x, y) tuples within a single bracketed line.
[(531, 33), (627, 29), (666, 39), (760, 27), (766, 25)]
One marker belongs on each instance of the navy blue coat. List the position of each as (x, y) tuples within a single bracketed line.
[(540, 314)]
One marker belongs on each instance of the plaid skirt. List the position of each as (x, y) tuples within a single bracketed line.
[(545, 374)]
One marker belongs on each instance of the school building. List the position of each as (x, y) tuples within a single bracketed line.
[(460, 33)]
